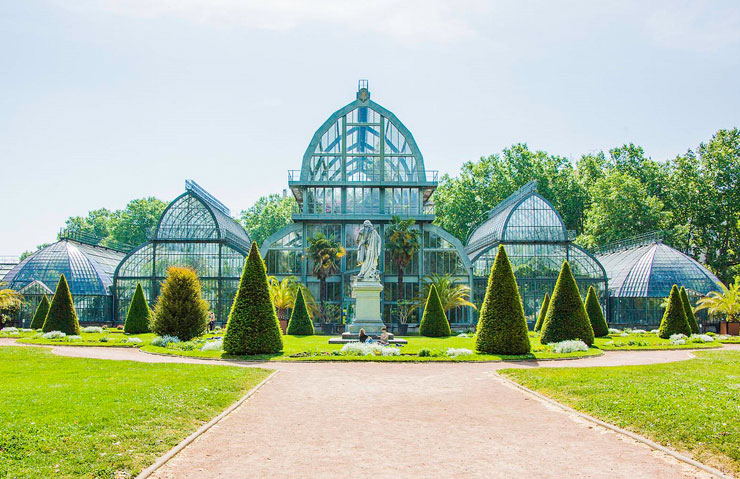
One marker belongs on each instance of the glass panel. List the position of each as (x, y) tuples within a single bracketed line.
[(187, 218)]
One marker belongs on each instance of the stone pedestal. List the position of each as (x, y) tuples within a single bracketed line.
[(367, 307)]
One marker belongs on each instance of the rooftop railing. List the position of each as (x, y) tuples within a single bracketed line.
[(429, 176), (91, 239), (631, 242)]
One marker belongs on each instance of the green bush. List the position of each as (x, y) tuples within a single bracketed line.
[(674, 319), (434, 322), (300, 320), (690, 316), (253, 326), (180, 310), (502, 327), (139, 315), (543, 312), (62, 315), (595, 314), (40, 315), (566, 317)]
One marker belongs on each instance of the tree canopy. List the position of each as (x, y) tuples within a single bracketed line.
[(267, 215)]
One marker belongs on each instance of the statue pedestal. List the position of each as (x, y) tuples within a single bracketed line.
[(367, 307)]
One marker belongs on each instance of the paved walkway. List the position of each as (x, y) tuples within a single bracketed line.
[(408, 420)]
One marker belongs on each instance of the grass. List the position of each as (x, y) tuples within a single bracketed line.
[(106, 339), (317, 348), (615, 342), (692, 406), (87, 418)]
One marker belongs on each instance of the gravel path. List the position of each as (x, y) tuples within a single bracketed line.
[(408, 420)]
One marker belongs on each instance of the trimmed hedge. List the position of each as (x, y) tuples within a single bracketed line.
[(62, 315), (543, 312), (595, 314), (674, 319), (566, 317), (502, 327), (690, 316), (434, 322), (180, 310), (40, 315), (253, 326), (300, 320), (139, 315)]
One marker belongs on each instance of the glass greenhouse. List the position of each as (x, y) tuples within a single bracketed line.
[(537, 243), (89, 271), (196, 230), (641, 273), (363, 164)]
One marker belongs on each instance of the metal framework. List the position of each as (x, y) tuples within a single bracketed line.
[(195, 230), (363, 163), (537, 243)]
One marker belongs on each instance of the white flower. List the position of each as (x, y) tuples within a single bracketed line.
[(453, 353), (217, 345), (568, 346), (676, 337), (368, 349), (92, 329), (638, 331), (163, 341), (53, 335), (614, 331)]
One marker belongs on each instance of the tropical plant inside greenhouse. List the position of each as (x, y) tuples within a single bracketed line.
[(566, 317), (62, 315), (434, 320), (325, 254), (284, 292), (181, 310), (724, 303), (403, 242), (452, 293)]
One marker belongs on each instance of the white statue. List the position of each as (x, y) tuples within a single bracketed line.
[(368, 252)]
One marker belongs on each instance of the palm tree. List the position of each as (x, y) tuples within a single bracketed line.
[(10, 301), (283, 294), (325, 254), (452, 293), (402, 241), (725, 303)]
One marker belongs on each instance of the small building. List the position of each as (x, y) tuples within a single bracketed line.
[(88, 267), (195, 230), (537, 243), (641, 272), (6, 264)]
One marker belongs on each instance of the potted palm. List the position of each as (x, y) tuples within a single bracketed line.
[(452, 293), (403, 243), (325, 253), (725, 304), (403, 310), (283, 294)]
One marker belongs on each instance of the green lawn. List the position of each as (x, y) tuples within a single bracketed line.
[(646, 341), (70, 418), (109, 338), (692, 406)]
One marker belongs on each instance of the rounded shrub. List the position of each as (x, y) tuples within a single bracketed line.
[(502, 327), (595, 314), (674, 318), (62, 315), (139, 315), (40, 315), (690, 316), (300, 321), (566, 316), (180, 310), (434, 322), (253, 326), (543, 312)]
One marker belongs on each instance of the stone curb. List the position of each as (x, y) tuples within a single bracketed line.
[(619, 430), (205, 427)]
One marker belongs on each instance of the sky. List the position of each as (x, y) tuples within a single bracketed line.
[(104, 101)]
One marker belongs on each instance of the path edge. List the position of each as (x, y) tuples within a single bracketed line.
[(162, 460), (641, 439)]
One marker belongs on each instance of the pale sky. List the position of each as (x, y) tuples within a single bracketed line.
[(109, 100)]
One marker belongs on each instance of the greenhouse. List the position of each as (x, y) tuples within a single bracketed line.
[(87, 266), (363, 164), (197, 231), (537, 244), (641, 272)]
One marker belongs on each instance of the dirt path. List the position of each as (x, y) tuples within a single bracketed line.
[(408, 420)]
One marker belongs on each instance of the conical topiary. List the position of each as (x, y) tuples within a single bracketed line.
[(434, 320), (566, 318), (300, 321), (674, 319), (180, 310), (543, 312), (139, 315), (62, 315), (690, 316), (40, 315), (253, 326), (595, 314), (502, 327)]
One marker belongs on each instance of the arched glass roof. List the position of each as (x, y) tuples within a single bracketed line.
[(525, 216), (88, 269), (651, 270), (363, 142)]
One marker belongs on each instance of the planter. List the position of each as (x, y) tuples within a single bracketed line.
[(730, 329), (283, 325), (403, 329), (327, 328)]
